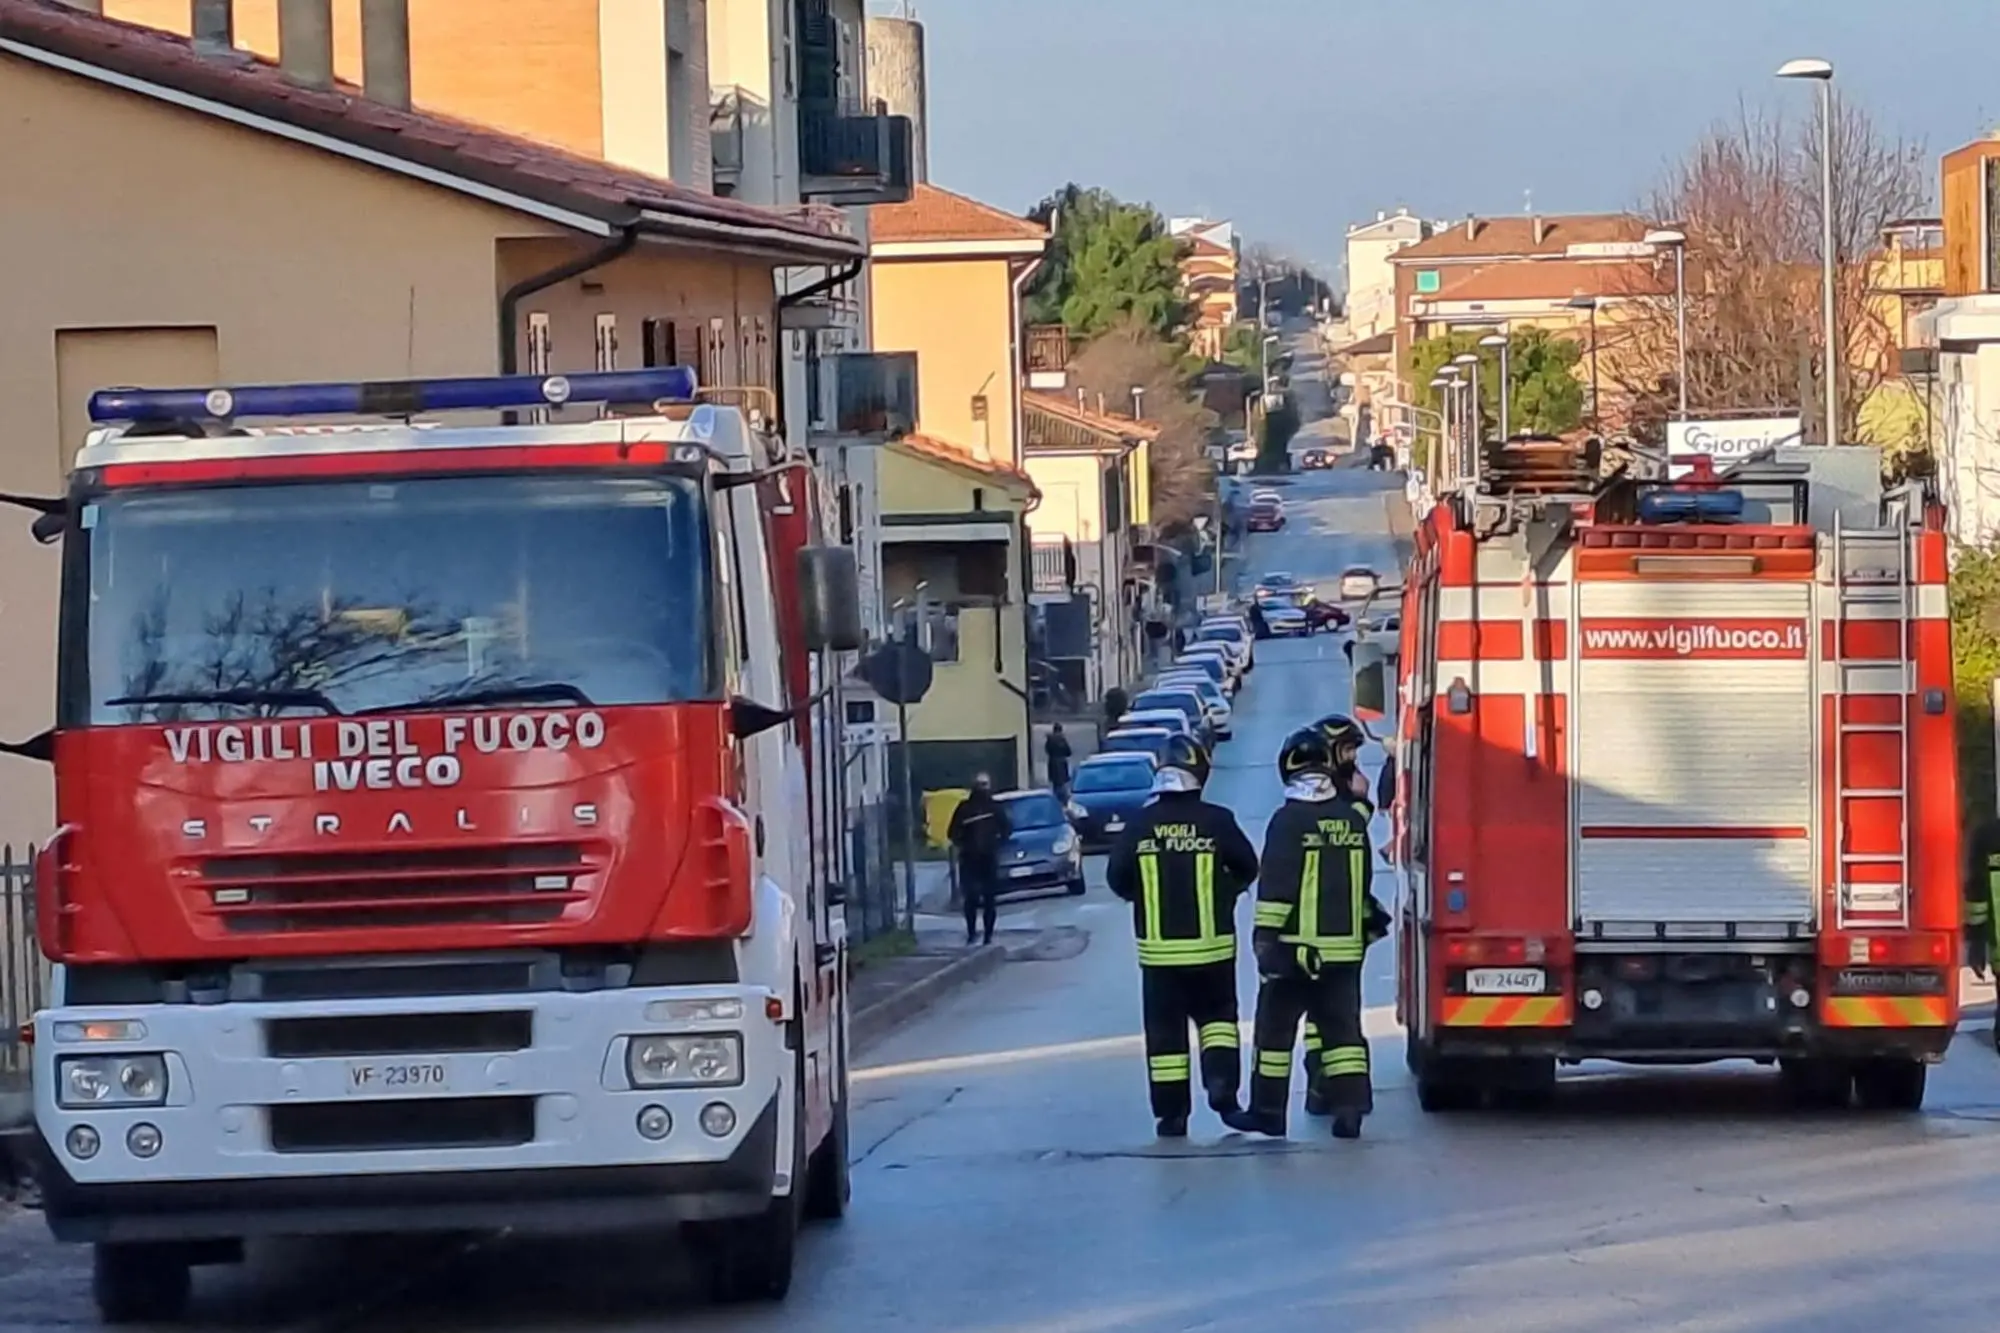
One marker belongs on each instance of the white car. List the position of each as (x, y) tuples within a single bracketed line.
[(1222, 655), (1233, 635), (1212, 665), (1285, 621), (1358, 583), (1214, 703)]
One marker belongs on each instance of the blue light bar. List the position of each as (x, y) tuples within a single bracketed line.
[(393, 398), (1690, 506)]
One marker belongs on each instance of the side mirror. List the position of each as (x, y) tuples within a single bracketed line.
[(1370, 681), (749, 718), (51, 515), (48, 527), (830, 593)]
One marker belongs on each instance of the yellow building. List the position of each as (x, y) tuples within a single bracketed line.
[(946, 274)]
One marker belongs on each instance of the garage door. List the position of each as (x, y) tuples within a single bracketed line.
[(1694, 757)]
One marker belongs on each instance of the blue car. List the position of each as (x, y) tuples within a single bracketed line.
[(1043, 851), (1108, 790)]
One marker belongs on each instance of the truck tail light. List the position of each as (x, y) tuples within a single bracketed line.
[(1493, 949), (1911, 948)]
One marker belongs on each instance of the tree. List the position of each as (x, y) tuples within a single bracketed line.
[(1545, 393), (1748, 198), (1131, 354), (1108, 261), (1244, 348)]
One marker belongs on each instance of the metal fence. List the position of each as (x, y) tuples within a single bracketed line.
[(874, 905), (22, 971)]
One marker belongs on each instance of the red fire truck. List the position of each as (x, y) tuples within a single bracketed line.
[(1678, 779), (450, 826)]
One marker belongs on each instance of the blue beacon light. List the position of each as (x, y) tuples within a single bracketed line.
[(393, 398)]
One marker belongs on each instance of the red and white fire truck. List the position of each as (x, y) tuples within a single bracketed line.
[(1678, 779), (450, 826)]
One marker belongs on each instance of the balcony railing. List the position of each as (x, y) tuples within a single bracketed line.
[(854, 158), (1048, 348)]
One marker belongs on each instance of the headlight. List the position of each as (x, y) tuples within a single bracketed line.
[(724, 1009), (111, 1080), (1065, 842), (713, 1061), (1078, 810)]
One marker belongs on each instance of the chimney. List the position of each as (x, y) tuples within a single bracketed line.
[(1541, 230), (385, 52), (1100, 406), (213, 24), (1381, 216), (1471, 227), (305, 41)]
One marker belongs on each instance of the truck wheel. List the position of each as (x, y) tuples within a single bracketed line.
[(1817, 1084), (1891, 1084), (829, 1182), (1441, 1086), (750, 1258), (140, 1284)]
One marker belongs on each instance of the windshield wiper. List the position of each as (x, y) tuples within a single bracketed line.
[(553, 691), (248, 698)]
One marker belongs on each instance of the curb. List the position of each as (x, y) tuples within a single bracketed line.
[(867, 1026)]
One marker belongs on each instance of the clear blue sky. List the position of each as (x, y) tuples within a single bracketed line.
[(1296, 117)]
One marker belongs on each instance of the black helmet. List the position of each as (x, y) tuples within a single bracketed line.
[(1186, 754), (1343, 735), (1306, 750)]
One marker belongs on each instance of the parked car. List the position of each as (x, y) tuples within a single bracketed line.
[(1358, 583), (1221, 717), (1107, 790), (1043, 852), (1170, 719), (1266, 516), (1207, 661), (1186, 702), (1151, 742), (1232, 638), (1222, 655)]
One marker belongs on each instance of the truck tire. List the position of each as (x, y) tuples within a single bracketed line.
[(1441, 1086), (750, 1259), (140, 1284), (1817, 1084), (1891, 1084)]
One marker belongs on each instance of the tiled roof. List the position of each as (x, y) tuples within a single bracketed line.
[(1554, 279), (932, 214), (1378, 345), (1200, 246), (940, 451), (1102, 423), (1516, 236), (536, 172)]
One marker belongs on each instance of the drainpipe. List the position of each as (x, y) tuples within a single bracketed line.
[(510, 300), (1014, 355), (834, 278)]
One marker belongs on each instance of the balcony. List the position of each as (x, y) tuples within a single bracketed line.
[(1047, 357), (849, 158)]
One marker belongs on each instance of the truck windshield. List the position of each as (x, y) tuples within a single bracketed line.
[(490, 591)]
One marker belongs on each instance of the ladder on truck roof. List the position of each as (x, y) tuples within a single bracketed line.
[(1871, 582)]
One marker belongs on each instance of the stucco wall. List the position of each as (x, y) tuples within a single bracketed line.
[(1072, 504), (958, 316)]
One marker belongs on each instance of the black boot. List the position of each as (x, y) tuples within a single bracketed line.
[(1222, 1099), (1255, 1122), (1172, 1127), (1347, 1124), (1316, 1103)]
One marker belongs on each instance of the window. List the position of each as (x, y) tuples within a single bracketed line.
[(607, 342), (541, 354), (815, 383), (715, 360), (1428, 281), (746, 351), (658, 344), (763, 361)]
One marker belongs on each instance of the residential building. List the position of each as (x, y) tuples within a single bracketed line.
[(1962, 334), (946, 279), (1093, 555), (1578, 274), (1905, 280), (1371, 279), (1373, 404), (1209, 278), (358, 239)]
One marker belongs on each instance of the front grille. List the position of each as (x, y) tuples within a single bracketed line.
[(399, 1034), (510, 884), (375, 1126)]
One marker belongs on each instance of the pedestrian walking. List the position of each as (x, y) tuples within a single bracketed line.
[(1057, 752), (979, 828), (1982, 901), (1182, 865), (1314, 920)]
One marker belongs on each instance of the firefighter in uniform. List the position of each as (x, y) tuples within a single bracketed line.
[(1315, 919), (1182, 865), (1982, 901), (1345, 736)]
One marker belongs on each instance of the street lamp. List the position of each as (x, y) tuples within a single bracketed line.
[(1590, 303), (1821, 72), (1678, 242), (1444, 384), (1454, 379), (1500, 341), (1470, 360)]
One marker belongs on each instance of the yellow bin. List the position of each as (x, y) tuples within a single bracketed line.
[(939, 806)]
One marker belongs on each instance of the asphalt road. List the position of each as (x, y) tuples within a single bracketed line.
[(1008, 1180)]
